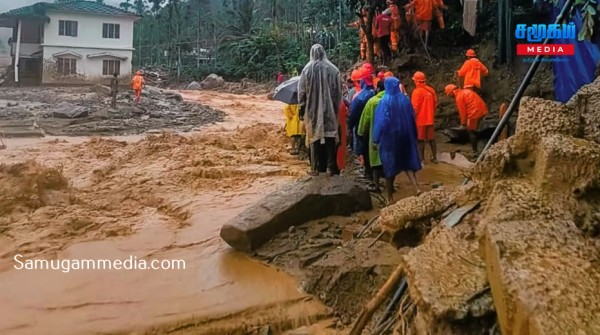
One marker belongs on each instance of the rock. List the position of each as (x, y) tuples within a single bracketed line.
[(212, 81), (67, 110), (436, 185), (101, 89), (447, 277), (194, 85), (554, 169), (153, 92), (297, 203), (587, 102), (539, 118), (174, 96), (2, 81), (12, 104), (292, 229), (408, 214), (543, 276)]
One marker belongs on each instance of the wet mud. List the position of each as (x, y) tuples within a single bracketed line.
[(156, 197)]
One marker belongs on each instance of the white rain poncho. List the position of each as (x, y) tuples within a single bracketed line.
[(320, 91)]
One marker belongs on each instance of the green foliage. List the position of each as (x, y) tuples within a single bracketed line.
[(240, 38)]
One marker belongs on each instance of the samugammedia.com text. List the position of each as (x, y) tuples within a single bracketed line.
[(67, 265)]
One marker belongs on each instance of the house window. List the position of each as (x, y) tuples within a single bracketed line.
[(110, 67), (67, 28), (111, 30), (66, 66)]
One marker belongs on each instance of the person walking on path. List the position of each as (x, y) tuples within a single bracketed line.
[(365, 129), (383, 24), (356, 109), (114, 90), (137, 84), (472, 70), (471, 108), (395, 136), (319, 97), (424, 102), (293, 127)]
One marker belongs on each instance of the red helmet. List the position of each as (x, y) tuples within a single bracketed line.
[(471, 53)]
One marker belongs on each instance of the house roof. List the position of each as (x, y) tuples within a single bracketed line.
[(39, 9)]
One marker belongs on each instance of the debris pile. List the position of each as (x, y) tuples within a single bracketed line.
[(81, 111), (527, 256)]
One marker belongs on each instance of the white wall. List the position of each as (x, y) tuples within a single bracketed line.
[(88, 69), (88, 41), (89, 31)]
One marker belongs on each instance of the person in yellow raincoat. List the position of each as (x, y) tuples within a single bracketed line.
[(293, 127)]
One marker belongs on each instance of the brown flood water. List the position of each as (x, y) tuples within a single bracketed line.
[(217, 281)]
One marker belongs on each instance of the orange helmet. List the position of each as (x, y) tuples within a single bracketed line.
[(355, 76), (471, 53), (419, 76), (449, 89), (388, 74)]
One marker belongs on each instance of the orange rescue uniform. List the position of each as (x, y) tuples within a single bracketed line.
[(137, 82), (471, 108), (396, 23), (472, 70), (423, 13), (424, 101)]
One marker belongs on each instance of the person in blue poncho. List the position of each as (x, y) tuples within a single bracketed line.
[(359, 143), (395, 136)]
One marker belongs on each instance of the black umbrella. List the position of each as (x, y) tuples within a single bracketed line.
[(287, 92)]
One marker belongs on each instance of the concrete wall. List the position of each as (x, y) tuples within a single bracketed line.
[(87, 42), (88, 69)]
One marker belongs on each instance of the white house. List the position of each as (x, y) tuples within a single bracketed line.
[(70, 42)]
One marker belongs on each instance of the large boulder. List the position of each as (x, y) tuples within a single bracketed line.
[(67, 110), (298, 202), (212, 81), (194, 85), (543, 276)]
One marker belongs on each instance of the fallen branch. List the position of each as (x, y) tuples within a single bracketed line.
[(367, 312)]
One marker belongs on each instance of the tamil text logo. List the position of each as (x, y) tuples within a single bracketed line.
[(538, 33)]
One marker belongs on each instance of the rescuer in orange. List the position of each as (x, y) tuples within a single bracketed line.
[(424, 101), (438, 7), (471, 108), (422, 10), (472, 70), (396, 23), (380, 77), (138, 83)]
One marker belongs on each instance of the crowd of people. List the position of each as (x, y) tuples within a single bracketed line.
[(385, 127)]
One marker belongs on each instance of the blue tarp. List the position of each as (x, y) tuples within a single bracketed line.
[(578, 70)]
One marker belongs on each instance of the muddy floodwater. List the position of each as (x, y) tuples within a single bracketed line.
[(159, 197)]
